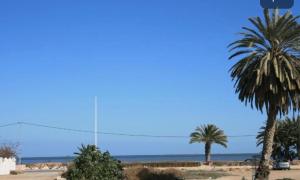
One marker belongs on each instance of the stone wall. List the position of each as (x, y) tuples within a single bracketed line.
[(7, 165)]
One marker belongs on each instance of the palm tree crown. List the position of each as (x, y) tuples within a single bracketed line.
[(209, 134), (268, 71)]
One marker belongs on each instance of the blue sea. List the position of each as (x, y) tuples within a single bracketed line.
[(148, 158)]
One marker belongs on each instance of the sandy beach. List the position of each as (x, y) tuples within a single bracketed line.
[(232, 173)]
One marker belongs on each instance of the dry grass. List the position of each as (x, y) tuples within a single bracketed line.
[(148, 173), (142, 173), (204, 174)]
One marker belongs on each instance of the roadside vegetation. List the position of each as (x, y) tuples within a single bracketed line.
[(91, 164), (143, 173), (8, 151), (286, 139)]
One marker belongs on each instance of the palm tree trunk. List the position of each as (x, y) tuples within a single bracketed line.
[(263, 171), (207, 152)]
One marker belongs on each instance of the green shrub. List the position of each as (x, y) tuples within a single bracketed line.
[(91, 164)]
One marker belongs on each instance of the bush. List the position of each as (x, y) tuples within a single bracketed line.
[(15, 172), (91, 164), (8, 151)]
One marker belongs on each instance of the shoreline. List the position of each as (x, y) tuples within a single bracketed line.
[(148, 158)]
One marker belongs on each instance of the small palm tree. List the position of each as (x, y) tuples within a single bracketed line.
[(285, 139), (298, 136), (209, 134), (267, 74)]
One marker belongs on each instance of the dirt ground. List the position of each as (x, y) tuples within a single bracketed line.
[(235, 173), (238, 172), (49, 175), (275, 175)]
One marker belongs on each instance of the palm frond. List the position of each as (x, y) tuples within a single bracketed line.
[(268, 70)]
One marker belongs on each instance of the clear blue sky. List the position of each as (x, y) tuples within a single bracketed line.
[(158, 67)]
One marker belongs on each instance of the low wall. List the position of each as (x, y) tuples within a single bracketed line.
[(7, 165), (164, 164)]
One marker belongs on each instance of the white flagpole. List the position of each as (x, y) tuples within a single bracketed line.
[(96, 122)]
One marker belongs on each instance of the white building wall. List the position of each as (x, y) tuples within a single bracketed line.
[(7, 165)]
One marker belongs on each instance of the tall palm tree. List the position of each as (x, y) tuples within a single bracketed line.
[(209, 134), (267, 75)]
